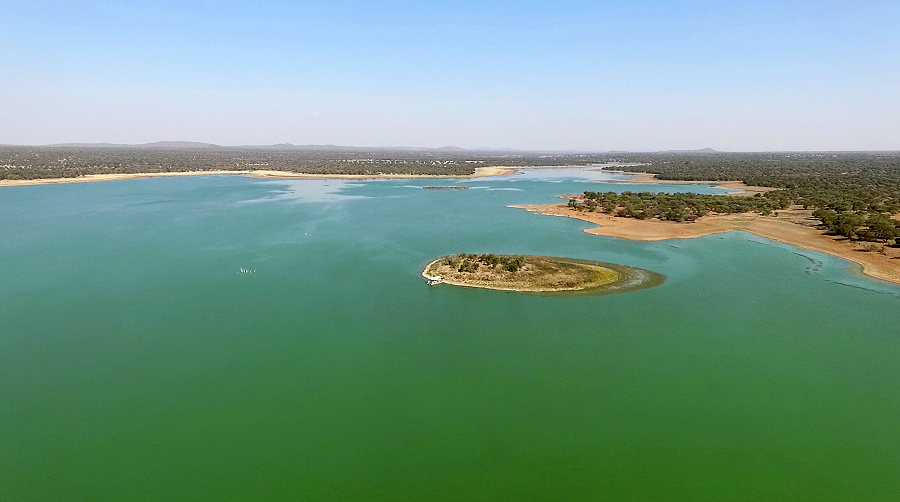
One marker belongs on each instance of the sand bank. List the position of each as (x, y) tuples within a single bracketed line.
[(793, 226), (480, 172)]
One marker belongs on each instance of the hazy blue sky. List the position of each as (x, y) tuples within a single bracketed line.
[(562, 75)]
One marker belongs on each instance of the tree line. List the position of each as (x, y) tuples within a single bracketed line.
[(675, 206)]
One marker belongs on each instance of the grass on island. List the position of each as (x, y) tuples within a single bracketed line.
[(539, 274)]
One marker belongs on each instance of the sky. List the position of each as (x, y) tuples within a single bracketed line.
[(561, 75)]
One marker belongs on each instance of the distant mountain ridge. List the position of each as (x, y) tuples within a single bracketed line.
[(699, 150)]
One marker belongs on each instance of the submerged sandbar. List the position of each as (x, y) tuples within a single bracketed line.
[(539, 274)]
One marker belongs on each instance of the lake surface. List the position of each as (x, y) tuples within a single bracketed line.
[(138, 363)]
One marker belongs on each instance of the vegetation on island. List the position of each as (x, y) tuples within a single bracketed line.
[(539, 274), (471, 263)]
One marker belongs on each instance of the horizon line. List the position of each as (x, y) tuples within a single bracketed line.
[(446, 148)]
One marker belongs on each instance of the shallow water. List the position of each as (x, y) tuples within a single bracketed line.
[(136, 362)]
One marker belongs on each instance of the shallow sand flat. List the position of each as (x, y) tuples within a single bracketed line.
[(790, 226), (480, 172)]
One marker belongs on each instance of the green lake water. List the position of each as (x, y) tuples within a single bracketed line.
[(137, 363)]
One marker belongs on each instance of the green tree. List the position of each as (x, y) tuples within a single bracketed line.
[(880, 227)]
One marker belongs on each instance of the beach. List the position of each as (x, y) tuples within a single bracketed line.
[(792, 226), (480, 172)]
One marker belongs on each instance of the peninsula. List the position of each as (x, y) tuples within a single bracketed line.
[(539, 274), (783, 215)]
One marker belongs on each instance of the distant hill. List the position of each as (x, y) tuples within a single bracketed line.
[(699, 150), (178, 144)]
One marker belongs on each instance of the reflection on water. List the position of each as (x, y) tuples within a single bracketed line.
[(592, 173), (306, 190)]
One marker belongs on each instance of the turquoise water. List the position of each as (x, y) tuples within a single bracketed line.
[(137, 363)]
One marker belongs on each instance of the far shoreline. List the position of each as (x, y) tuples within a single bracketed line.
[(480, 172), (645, 178)]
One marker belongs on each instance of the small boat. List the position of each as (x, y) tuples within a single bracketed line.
[(436, 279)]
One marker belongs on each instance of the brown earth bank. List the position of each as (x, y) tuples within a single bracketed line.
[(793, 226), (480, 172)]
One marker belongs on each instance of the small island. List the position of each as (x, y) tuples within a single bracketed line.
[(538, 274)]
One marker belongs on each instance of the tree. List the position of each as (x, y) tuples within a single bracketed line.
[(848, 224), (880, 227)]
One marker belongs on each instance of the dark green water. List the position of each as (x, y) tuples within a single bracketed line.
[(136, 363)]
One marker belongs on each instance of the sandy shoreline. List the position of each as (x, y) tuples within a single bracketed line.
[(480, 172), (790, 227)]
